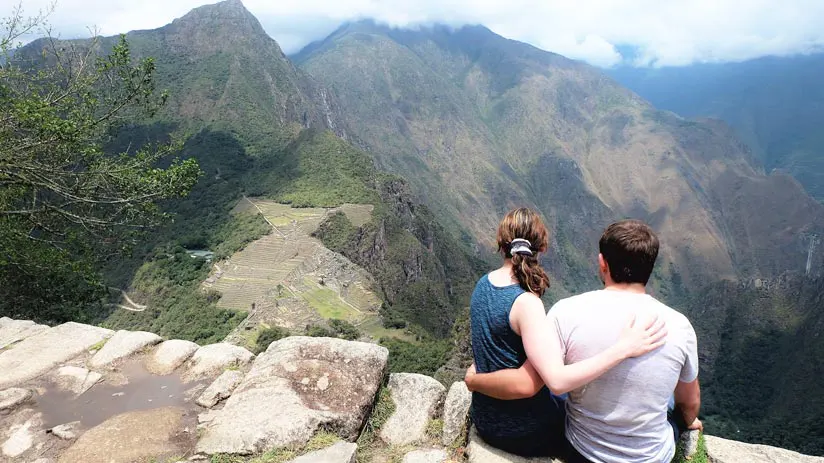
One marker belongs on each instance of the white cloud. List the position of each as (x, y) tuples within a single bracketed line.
[(663, 32)]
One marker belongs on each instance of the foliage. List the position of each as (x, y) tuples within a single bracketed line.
[(169, 284), (64, 201), (268, 336), (424, 357), (341, 329), (318, 169), (344, 329)]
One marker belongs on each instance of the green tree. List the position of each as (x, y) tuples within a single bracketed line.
[(64, 202)]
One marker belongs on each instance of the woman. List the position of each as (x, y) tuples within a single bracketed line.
[(533, 426)]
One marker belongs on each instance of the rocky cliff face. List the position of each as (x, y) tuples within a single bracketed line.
[(478, 124), (302, 400)]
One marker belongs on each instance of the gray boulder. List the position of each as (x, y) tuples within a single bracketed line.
[(212, 360), (299, 385), (455, 412), (121, 345), (220, 389), (12, 331), (728, 451), (169, 355), (75, 379), (417, 399), (689, 440), (426, 456), (11, 398), (341, 452), (42, 352)]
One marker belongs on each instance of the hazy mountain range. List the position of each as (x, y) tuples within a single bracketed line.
[(469, 124)]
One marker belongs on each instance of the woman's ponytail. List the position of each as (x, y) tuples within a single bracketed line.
[(521, 236), (529, 273)]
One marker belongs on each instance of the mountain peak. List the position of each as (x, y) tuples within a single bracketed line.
[(229, 17)]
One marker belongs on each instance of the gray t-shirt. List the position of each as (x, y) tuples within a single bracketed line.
[(622, 416)]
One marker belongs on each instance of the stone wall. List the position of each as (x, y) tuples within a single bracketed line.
[(78, 393)]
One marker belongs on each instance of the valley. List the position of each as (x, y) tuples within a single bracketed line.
[(353, 189)]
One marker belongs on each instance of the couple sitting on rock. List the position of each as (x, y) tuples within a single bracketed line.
[(605, 376)]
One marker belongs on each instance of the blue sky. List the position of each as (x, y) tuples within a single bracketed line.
[(658, 32)]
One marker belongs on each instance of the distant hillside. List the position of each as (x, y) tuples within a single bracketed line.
[(776, 104), (479, 123)]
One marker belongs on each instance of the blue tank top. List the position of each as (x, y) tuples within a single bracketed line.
[(496, 346)]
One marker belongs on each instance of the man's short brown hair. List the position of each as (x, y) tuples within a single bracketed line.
[(630, 248)]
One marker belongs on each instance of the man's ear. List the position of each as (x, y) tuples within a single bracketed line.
[(603, 268)]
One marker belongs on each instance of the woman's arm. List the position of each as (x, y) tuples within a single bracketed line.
[(543, 348), (509, 384)]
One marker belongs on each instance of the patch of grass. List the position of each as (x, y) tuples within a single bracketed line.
[(328, 304), (434, 430), (369, 443), (99, 345), (699, 457), (222, 458), (320, 441), (275, 456)]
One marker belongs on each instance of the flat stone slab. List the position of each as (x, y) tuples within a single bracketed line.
[(455, 412), (417, 398), (122, 345), (341, 452), (75, 379), (12, 397), (22, 437), (12, 331), (728, 451), (481, 452), (42, 352), (297, 386), (426, 456), (220, 389), (148, 435), (169, 355), (212, 360)]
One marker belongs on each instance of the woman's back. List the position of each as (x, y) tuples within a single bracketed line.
[(495, 347)]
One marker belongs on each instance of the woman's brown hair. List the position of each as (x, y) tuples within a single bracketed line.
[(521, 236)]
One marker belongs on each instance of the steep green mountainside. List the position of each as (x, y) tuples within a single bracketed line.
[(761, 353), (776, 104), (259, 126), (479, 123)]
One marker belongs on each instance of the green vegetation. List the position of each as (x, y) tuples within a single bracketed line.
[(328, 303), (424, 357), (65, 203), (319, 441), (337, 329), (169, 284), (369, 441), (268, 336), (700, 453)]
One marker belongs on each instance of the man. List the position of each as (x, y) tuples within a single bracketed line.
[(621, 416)]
